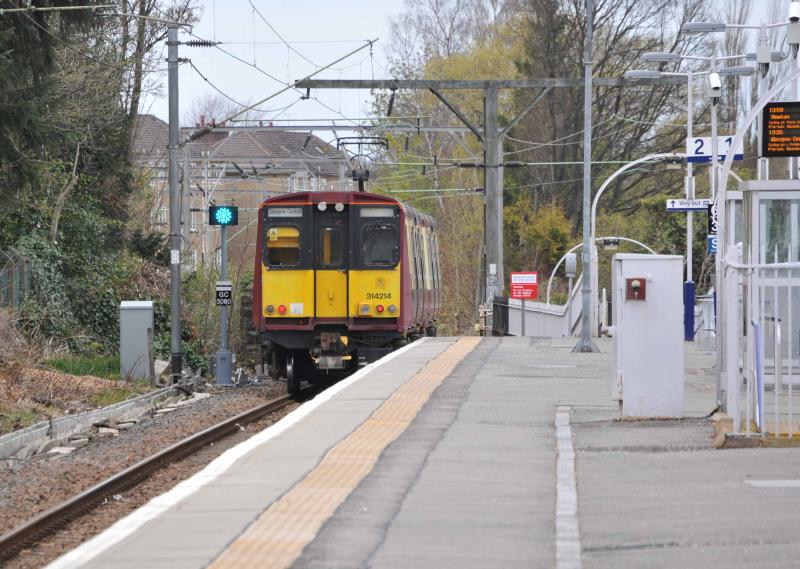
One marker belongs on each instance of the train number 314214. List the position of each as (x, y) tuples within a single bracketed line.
[(379, 296)]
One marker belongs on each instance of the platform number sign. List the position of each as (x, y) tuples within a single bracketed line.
[(223, 215), (224, 293), (698, 149)]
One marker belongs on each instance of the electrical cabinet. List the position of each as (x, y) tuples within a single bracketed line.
[(648, 334), (136, 339)]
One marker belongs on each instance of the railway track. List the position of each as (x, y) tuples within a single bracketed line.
[(56, 517)]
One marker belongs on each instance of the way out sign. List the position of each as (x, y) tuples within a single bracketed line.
[(224, 293), (524, 286), (683, 204)]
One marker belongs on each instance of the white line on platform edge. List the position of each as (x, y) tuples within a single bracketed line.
[(568, 532), (773, 483), (158, 505)]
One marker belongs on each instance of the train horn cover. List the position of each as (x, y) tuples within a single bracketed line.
[(223, 215)]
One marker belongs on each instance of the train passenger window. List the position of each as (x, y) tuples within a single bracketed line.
[(331, 247), (283, 246), (378, 245)]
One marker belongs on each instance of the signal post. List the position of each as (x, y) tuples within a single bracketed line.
[(223, 216)]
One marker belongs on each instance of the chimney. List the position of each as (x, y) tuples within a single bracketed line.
[(202, 121)]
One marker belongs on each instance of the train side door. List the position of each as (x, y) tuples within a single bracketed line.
[(331, 252)]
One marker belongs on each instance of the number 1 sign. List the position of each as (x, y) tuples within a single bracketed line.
[(698, 148)]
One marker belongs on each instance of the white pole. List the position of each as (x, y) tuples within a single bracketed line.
[(689, 179), (718, 256), (689, 290)]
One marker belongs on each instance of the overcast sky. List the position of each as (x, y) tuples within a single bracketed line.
[(321, 31)]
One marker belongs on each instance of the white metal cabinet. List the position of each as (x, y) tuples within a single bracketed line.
[(648, 334)]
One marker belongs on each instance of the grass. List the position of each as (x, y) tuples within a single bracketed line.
[(99, 366), (116, 394), (19, 419)]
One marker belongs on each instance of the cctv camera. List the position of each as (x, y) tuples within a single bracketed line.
[(715, 83), (794, 12)]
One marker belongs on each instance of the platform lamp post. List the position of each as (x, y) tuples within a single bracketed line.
[(667, 57), (763, 57), (688, 285), (223, 216)]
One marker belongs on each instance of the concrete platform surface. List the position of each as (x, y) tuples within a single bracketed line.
[(468, 478)]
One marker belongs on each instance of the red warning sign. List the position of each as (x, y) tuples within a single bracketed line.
[(524, 286)]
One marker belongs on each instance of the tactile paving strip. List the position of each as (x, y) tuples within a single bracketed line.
[(278, 536)]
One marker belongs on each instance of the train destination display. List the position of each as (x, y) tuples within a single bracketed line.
[(781, 131)]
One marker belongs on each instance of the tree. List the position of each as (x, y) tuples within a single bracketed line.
[(628, 122)]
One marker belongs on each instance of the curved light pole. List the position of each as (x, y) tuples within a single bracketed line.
[(715, 75), (728, 397), (603, 187), (578, 246)]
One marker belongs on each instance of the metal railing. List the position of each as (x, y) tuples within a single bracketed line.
[(762, 347), (15, 279)]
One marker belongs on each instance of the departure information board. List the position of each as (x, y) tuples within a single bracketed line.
[(781, 133)]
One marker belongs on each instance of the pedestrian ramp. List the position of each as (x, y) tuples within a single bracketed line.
[(545, 320)]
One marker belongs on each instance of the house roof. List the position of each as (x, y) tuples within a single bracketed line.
[(259, 151), (151, 137), (264, 151)]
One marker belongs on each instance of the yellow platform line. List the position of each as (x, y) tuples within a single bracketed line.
[(279, 535)]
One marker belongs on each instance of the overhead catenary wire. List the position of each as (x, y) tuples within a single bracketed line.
[(232, 100), (196, 134), (286, 84), (77, 50), (280, 37)]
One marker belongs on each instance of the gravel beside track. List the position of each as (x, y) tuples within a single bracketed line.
[(30, 487)]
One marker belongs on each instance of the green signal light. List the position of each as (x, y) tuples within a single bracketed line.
[(224, 216)]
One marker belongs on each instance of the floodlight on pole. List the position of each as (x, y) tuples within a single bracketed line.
[(714, 86), (774, 56), (635, 74), (793, 29), (704, 27), (660, 57), (738, 70), (794, 12)]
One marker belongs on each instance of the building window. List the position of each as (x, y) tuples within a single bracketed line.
[(160, 216), (378, 245), (283, 246), (332, 248)]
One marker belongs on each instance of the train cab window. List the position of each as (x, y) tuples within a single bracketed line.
[(331, 247), (283, 246), (379, 245)]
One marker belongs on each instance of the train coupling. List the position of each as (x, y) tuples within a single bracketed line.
[(330, 351)]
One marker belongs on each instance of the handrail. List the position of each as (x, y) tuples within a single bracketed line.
[(561, 260)]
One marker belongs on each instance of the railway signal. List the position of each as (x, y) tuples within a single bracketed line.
[(223, 215)]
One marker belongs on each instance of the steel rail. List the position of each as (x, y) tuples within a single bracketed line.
[(50, 520)]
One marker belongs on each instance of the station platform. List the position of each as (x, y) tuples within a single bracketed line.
[(466, 452)]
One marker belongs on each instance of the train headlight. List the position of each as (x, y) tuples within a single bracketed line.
[(363, 309), (339, 207), (392, 309), (322, 206), (270, 309), (379, 309), (281, 309)]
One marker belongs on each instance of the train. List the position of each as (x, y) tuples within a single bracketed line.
[(340, 279)]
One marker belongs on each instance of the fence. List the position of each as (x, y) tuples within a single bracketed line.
[(762, 349), (15, 279)]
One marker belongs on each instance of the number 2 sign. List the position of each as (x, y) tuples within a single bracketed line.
[(698, 148)]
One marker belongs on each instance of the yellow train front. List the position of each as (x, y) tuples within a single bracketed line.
[(341, 278)]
